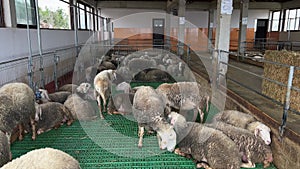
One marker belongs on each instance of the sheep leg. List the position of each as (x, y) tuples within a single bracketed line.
[(104, 101), (201, 113), (21, 132), (33, 128), (249, 164), (159, 140), (178, 152), (141, 134), (203, 165), (99, 105)]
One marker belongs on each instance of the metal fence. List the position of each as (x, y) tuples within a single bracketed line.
[(45, 68), (258, 77)]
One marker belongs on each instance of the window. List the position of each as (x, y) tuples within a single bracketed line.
[(105, 25), (54, 14), (275, 21), (1, 14), (89, 18), (81, 16), (21, 12), (292, 19)]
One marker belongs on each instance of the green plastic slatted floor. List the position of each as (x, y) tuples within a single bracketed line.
[(109, 143)]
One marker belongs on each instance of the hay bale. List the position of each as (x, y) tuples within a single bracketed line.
[(280, 74)]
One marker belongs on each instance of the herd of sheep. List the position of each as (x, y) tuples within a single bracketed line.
[(233, 139)]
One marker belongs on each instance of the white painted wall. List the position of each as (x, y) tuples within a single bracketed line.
[(14, 43), (252, 16), (140, 18), (197, 18)]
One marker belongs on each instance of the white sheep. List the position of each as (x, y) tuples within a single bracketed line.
[(17, 108), (102, 85), (85, 91), (252, 149), (81, 109), (148, 109), (44, 158), (5, 154), (90, 73), (246, 121), (52, 115), (136, 65), (205, 143), (185, 96)]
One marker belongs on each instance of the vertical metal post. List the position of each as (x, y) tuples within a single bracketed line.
[(42, 78), (188, 55), (30, 66), (56, 60), (287, 101), (210, 30), (75, 26)]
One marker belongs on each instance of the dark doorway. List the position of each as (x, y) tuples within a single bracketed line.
[(158, 26), (261, 33)]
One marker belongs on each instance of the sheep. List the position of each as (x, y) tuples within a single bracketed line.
[(185, 96), (60, 96), (121, 103), (246, 121), (17, 108), (205, 143), (90, 73), (105, 65), (85, 91), (102, 85), (154, 75), (138, 64), (44, 158), (44, 95), (52, 115), (148, 109), (5, 154), (176, 69), (125, 73), (68, 87), (80, 109), (253, 149)]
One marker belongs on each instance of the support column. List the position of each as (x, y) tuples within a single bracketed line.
[(181, 27), (243, 27), (168, 30), (42, 81), (109, 29), (9, 9), (75, 22), (224, 11), (210, 30)]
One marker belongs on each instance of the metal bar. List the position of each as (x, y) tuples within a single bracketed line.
[(29, 69), (56, 60), (265, 96), (42, 78), (75, 25), (287, 101), (271, 80)]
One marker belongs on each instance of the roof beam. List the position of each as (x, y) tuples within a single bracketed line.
[(194, 6), (132, 4), (291, 4)]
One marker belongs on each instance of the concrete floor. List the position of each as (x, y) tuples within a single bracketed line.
[(267, 106)]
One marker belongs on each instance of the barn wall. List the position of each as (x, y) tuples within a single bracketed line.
[(15, 43), (136, 24)]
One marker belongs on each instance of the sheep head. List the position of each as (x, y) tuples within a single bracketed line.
[(167, 137), (262, 131)]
